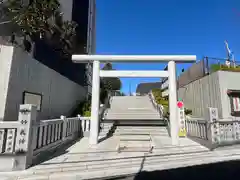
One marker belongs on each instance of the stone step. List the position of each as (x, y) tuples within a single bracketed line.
[(114, 156), (119, 168), (127, 109), (144, 148), (106, 128), (107, 124), (151, 108), (133, 117), (153, 122), (135, 131), (136, 106), (137, 128), (152, 134), (135, 143), (132, 113), (141, 130), (119, 160), (135, 137), (101, 135)]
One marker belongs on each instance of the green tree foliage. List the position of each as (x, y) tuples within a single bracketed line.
[(157, 93), (41, 19), (111, 83), (223, 67), (33, 17)]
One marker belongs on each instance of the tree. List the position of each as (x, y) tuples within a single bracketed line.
[(41, 19), (111, 83), (32, 18)]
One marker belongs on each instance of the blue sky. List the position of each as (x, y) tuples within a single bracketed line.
[(194, 27)]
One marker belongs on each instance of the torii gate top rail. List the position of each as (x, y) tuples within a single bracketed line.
[(134, 58)]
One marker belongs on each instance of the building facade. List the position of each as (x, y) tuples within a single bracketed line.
[(84, 14), (42, 77), (218, 90)]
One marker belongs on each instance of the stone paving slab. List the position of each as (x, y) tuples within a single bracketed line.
[(103, 159), (151, 163)]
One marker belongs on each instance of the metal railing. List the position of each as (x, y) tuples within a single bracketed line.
[(202, 68)]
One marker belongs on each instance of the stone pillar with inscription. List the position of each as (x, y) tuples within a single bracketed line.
[(213, 125), (26, 136)]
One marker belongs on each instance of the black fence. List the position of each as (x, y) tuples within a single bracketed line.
[(204, 67)]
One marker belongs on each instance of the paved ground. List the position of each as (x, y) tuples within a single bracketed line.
[(219, 171), (81, 161)]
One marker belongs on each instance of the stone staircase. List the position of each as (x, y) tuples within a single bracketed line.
[(138, 138), (137, 109), (106, 129), (136, 121)]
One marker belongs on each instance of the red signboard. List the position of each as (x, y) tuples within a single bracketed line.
[(180, 104)]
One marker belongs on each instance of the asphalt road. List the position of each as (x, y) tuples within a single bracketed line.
[(219, 171)]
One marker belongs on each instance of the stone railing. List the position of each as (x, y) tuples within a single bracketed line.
[(8, 132), (22, 141), (197, 127), (217, 132), (228, 132), (157, 106)]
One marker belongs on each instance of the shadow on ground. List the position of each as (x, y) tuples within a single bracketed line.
[(219, 171)]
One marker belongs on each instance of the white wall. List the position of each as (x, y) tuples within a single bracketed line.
[(59, 93), (5, 66)]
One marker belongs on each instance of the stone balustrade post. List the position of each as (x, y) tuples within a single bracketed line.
[(213, 134), (80, 128), (26, 138), (64, 132), (236, 131)]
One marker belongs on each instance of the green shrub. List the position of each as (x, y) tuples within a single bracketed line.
[(157, 93), (82, 107), (187, 111), (163, 102), (87, 113), (222, 67)]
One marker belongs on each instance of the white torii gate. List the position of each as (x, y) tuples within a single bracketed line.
[(97, 73)]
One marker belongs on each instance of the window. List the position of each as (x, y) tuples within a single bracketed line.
[(33, 98), (234, 96)]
